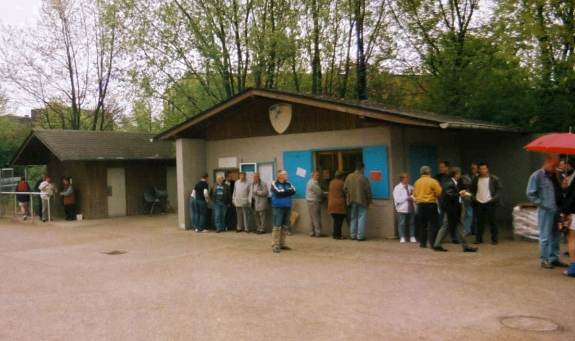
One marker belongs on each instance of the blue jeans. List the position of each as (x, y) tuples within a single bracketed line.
[(549, 235), (199, 212), (358, 218), (220, 216), (468, 217), (281, 216), (405, 220)]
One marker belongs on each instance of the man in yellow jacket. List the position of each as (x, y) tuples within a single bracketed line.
[(426, 192)]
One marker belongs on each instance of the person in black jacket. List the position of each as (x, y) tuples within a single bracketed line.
[(452, 194), (568, 211), (486, 192)]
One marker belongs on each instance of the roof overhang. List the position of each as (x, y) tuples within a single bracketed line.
[(359, 109)]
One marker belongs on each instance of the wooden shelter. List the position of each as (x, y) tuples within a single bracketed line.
[(110, 170)]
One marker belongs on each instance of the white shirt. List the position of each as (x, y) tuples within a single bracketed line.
[(400, 198), (483, 193), (47, 190)]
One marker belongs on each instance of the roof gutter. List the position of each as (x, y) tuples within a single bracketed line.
[(477, 126)]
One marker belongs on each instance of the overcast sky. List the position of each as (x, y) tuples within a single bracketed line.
[(19, 12)]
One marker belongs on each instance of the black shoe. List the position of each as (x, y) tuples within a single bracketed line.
[(337, 237), (238, 231), (469, 249), (361, 240), (423, 246), (455, 241), (494, 242), (218, 231), (439, 248), (478, 242), (285, 247), (547, 265), (559, 264)]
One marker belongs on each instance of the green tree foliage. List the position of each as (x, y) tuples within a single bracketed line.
[(13, 131)]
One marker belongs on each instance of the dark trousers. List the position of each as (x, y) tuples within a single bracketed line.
[(231, 217), (337, 222), (427, 223), (70, 211), (486, 215)]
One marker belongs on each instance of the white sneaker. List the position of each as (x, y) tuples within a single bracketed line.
[(413, 240), (196, 230), (402, 240), (205, 231)]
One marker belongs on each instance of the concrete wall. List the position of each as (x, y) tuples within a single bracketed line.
[(190, 166), (172, 187), (266, 149)]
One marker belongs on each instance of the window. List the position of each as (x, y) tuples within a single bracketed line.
[(300, 163)]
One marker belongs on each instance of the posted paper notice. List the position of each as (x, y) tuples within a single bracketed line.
[(300, 172)]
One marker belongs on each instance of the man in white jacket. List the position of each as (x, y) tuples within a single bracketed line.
[(242, 199), (405, 207), (48, 189)]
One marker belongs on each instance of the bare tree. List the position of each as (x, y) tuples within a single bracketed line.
[(66, 62)]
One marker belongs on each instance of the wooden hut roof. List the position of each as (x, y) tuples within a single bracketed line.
[(82, 145)]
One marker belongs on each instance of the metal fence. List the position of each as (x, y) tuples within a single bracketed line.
[(9, 204)]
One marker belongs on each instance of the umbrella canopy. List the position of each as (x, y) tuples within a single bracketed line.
[(556, 143)]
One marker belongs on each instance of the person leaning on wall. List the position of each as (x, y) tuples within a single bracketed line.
[(68, 198)]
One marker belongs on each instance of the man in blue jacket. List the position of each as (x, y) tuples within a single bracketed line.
[(282, 192), (544, 191)]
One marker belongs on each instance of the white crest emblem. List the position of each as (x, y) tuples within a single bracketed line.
[(280, 116)]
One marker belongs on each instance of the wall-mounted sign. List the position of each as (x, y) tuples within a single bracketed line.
[(228, 162), (280, 116), (375, 175)]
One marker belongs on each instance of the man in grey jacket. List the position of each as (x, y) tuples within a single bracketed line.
[(260, 194), (242, 201), (314, 197)]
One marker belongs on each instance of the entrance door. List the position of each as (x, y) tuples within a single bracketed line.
[(116, 192)]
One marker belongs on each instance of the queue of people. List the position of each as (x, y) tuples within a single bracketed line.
[(47, 190), (250, 202)]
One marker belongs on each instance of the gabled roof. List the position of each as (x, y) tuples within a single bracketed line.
[(82, 145), (372, 110)]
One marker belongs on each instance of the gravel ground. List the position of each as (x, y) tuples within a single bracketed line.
[(58, 283)]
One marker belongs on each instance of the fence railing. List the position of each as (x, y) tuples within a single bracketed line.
[(31, 208)]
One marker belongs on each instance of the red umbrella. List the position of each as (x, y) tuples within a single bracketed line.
[(556, 143)]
